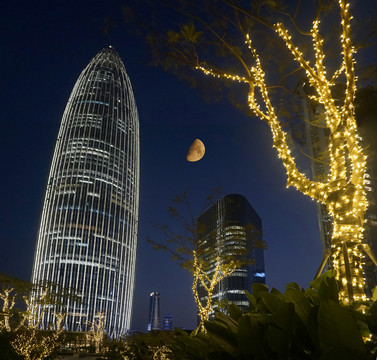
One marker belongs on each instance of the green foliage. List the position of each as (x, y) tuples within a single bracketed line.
[(154, 345), (299, 324), (115, 350), (20, 286), (6, 349)]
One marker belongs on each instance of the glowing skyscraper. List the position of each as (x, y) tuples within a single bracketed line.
[(88, 232), (154, 311)]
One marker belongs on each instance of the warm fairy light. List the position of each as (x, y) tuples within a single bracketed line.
[(8, 304), (27, 342), (343, 193), (208, 282), (97, 330), (33, 346)]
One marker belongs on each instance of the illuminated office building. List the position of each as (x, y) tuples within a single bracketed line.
[(233, 228), (88, 232), (154, 311), (167, 322)]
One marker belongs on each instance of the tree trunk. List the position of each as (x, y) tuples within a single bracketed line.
[(347, 240)]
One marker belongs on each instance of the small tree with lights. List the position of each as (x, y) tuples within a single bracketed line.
[(219, 26), (12, 291), (31, 342), (8, 297), (207, 266), (97, 330), (22, 327)]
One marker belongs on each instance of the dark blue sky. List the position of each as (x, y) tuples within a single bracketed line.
[(45, 46)]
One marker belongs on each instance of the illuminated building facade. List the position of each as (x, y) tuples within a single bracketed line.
[(233, 228), (154, 311), (88, 232), (167, 322)]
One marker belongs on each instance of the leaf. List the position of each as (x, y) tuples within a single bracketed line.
[(257, 290), (190, 34), (343, 353), (173, 37), (293, 286), (272, 3), (312, 295), (279, 342), (223, 319), (315, 284), (272, 302), (302, 305), (222, 336), (336, 327), (372, 318), (312, 326), (252, 300), (374, 294), (194, 347), (277, 293), (329, 289), (234, 312), (249, 337), (284, 317)]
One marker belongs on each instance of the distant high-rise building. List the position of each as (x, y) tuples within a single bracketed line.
[(317, 136), (167, 322), (88, 232), (232, 227), (154, 311)]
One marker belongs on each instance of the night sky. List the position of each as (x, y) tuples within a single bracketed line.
[(44, 47)]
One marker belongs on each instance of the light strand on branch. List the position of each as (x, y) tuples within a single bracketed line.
[(343, 192), (222, 75), (220, 271), (8, 304)]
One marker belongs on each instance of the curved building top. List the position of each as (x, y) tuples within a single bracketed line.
[(88, 232)]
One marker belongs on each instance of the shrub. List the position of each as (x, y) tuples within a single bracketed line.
[(299, 324)]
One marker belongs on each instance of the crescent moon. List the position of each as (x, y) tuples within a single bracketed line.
[(196, 151)]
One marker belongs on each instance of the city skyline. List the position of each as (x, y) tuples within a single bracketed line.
[(88, 233), (46, 47)]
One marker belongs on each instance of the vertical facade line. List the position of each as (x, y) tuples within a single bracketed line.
[(87, 237)]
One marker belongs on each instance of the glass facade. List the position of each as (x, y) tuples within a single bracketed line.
[(168, 322), (88, 232), (154, 311), (233, 228)]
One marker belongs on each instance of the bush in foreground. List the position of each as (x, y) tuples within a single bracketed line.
[(299, 324)]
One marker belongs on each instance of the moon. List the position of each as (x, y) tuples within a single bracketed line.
[(196, 151)]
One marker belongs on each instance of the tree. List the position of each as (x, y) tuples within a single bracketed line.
[(8, 304), (97, 330), (22, 326), (12, 291), (208, 266), (216, 41), (31, 342), (154, 345), (35, 344)]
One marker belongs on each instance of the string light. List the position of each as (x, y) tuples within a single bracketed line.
[(97, 330), (8, 303), (343, 193), (202, 278), (28, 342)]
